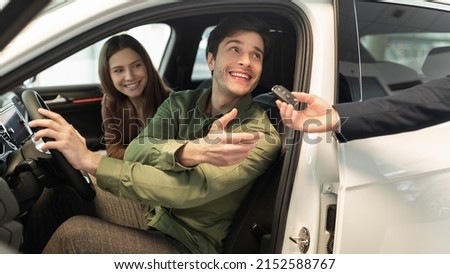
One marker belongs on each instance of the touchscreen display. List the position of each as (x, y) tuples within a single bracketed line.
[(14, 126)]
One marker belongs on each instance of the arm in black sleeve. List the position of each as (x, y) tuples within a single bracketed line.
[(414, 108)]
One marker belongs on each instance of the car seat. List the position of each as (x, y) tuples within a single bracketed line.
[(437, 63), (10, 230)]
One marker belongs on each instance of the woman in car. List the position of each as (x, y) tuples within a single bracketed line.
[(133, 90)]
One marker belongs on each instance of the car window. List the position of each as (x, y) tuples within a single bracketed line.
[(393, 47), (81, 67), (201, 70), (408, 49)]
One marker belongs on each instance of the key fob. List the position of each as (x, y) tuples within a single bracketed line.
[(284, 94)]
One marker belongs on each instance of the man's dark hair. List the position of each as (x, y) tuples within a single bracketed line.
[(234, 24)]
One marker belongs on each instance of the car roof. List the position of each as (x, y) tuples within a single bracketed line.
[(73, 18), (40, 46), (15, 15), (76, 17)]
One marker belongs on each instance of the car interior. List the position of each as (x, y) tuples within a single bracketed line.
[(259, 224), (26, 171), (380, 76)]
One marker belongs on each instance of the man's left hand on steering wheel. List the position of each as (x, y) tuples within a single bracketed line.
[(62, 140)]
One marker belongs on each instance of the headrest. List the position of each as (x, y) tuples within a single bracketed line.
[(395, 74), (437, 63)]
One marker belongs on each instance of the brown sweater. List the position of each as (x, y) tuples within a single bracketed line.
[(121, 124)]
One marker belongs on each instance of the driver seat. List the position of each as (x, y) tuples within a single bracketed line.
[(251, 229), (250, 232), (10, 230)]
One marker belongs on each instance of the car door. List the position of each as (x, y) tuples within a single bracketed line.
[(394, 195)]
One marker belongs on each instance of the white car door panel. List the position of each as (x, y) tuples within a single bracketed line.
[(394, 193)]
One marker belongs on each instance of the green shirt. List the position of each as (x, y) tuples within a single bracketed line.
[(194, 205)]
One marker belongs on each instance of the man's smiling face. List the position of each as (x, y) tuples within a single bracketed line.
[(238, 64)]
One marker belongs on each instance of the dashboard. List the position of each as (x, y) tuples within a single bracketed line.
[(24, 168), (19, 187)]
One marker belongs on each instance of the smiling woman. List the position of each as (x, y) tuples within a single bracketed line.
[(133, 91)]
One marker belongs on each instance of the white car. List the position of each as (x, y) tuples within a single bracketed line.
[(387, 194)]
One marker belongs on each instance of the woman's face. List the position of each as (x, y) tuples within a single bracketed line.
[(128, 72)]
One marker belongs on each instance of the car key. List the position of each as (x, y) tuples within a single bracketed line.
[(284, 95)]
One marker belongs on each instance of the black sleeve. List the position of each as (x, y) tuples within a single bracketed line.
[(414, 108)]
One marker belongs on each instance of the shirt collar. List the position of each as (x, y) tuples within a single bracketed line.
[(242, 105)]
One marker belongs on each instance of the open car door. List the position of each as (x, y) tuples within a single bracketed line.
[(394, 191)]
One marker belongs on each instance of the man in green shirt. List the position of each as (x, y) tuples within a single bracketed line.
[(191, 166)]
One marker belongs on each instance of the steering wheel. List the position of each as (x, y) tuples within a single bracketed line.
[(32, 101)]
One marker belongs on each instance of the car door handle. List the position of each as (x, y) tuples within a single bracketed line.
[(56, 100)]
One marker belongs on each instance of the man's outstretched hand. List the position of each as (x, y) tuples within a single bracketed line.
[(219, 147)]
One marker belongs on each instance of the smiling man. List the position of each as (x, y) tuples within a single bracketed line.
[(189, 169)]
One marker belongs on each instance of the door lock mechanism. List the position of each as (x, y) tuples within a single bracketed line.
[(302, 240)]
